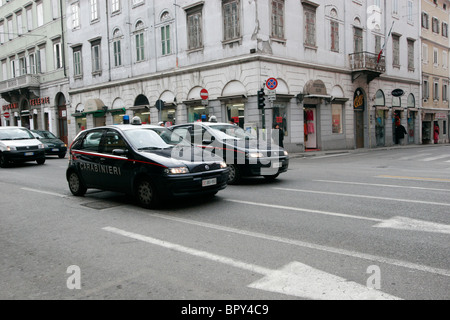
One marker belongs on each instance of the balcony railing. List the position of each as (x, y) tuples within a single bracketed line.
[(366, 61), (25, 81)]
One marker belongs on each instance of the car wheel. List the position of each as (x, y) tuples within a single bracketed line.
[(40, 161), (234, 175), (76, 186), (62, 155), (3, 161), (145, 193)]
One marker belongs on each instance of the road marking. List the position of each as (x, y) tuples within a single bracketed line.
[(382, 185), (45, 192), (435, 158), (295, 279), (366, 197), (308, 245), (403, 223), (414, 178), (420, 155), (328, 213)]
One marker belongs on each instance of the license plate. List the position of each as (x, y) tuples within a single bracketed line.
[(29, 154), (55, 150), (209, 182), (277, 165)]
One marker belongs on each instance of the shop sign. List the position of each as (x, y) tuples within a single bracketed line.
[(398, 93), (10, 106), (441, 116), (358, 100), (39, 101)]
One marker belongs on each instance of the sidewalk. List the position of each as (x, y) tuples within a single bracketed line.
[(308, 154)]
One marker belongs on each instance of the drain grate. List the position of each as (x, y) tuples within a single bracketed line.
[(101, 205)]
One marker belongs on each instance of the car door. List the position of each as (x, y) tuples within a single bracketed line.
[(88, 158), (116, 162)]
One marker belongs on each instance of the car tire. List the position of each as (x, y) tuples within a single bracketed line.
[(62, 155), (145, 193), (4, 163), (234, 175), (40, 161), (76, 186)]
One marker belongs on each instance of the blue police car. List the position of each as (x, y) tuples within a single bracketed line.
[(149, 162)]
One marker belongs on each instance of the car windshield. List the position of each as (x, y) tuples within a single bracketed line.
[(170, 137), (146, 139), (45, 134), (227, 132), (15, 134)]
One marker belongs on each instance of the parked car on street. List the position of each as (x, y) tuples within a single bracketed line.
[(18, 144), (244, 153), (53, 145), (149, 162)]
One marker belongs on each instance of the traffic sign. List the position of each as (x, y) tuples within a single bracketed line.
[(204, 94), (6, 115), (272, 83)]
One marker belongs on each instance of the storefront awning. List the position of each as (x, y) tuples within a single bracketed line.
[(93, 105)]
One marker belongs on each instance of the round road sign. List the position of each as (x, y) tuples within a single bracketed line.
[(204, 94), (272, 84), (6, 115)]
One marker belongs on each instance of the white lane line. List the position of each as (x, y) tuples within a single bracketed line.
[(381, 185), (435, 158), (414, 178), (328, 213), (414, 157), (295, 279), (365, 197), (307, 245), (45, 192)]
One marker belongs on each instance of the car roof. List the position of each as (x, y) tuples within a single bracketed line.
[(126, 127), (12, 127)]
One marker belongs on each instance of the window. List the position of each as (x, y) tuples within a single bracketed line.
[(444, 29), (29, 19), (194, 25), (137, 2), (140, 48), (77, 59), (444, 59), (117, 48), (57, 55), (96, 56), (2, 33), (115, 6), (425, 53), (75, 16), (411, 55), (22, 65), (445, 92), (395, 50), (32, 63), (4, 70), (55, 9), (278, 19), (231, 20), (334, 36), (19, 23), (435, 25), (10, 29), (377, 43), (425, 21), (41, 67), (310, 26), (426, 89), (436, 89), (395, 7), (94, 10), (336, 118), (165, 40), (435, 57), (40, 14), (358, 45), (13, 65), (410, 12)]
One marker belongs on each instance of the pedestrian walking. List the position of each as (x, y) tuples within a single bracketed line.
[(400, 133), (436, 133)]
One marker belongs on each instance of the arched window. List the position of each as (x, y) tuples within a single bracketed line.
[(411, 101), (139, 37), (379, 98), (117, 47), (166, 38)]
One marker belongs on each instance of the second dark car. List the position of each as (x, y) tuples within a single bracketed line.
[(53, 145), (149, 162)]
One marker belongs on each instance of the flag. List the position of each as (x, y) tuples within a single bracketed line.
[(385, 41)]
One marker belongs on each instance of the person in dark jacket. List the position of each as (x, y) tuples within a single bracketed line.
[(400, 133), (280, 131)]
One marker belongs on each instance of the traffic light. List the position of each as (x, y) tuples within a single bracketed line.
[(261, 99)]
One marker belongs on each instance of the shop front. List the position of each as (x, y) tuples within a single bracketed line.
[(359, 107)]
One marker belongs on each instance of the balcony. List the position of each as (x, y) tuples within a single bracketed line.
[(25, 84), (365, 63)]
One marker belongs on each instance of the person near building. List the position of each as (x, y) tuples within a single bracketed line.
[(400, 133), (278, 131), (436, 133)]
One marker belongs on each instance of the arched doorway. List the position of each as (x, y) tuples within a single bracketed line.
[(142, 109)]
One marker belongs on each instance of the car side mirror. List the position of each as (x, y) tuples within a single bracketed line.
[(120, 152), (209, 141)]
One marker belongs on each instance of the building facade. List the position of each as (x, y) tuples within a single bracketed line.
[(34, 84), (435, 70)]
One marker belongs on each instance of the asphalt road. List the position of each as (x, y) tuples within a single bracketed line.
[(360, 225)]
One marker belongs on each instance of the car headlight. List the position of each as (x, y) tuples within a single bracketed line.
[(9, 148), (286, 153), (223, 165), (41, 146), (177, 170), (255, 155)]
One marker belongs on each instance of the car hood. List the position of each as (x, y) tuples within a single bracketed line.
[(21, 143), (250, 146), (54, 141), (182, 156)]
